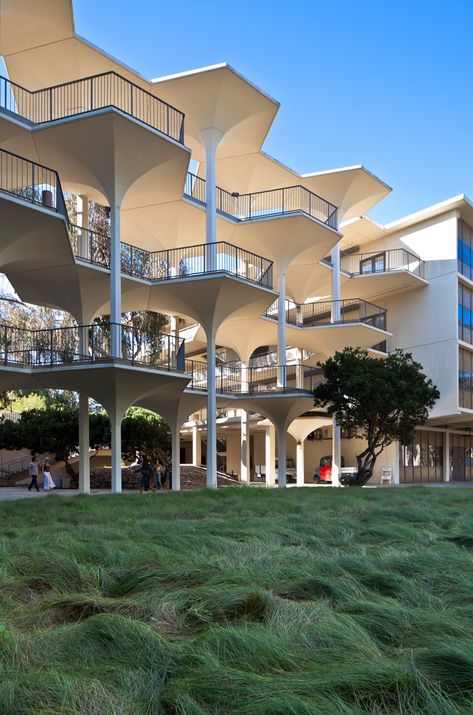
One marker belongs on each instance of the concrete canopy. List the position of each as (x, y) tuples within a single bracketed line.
[(354, 189), (218, 97), (324, 340), (114, 154)]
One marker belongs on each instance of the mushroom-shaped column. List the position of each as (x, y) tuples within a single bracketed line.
[(225, 113)]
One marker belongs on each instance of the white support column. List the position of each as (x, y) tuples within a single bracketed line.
[(336, 452), (211, 138), (299, 369), (176, 459), (336, 283), (446, 458), (335, 316), (282, 436), (270, 455), (84, 435), (245, 474), (196, 447), (396, 462), (300, 463), (211, 411), (84, 455), (115, 282), (116, 446), (281, 378), (82, 207), (173, 327)]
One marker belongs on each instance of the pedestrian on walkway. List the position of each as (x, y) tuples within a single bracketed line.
[(48, 480), (33, 468), (146, 472)]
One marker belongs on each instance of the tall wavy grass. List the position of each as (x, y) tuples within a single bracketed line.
[(240, 602)]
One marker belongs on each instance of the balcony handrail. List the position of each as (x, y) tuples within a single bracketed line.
[(330, 312), (172, 263), (173, 116), (40, 347), (233, 204), (232, 379), (23, 178), (392, 259)]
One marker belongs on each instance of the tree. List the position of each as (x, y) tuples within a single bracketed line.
[(380, 400), (146, 432), (55, 429)]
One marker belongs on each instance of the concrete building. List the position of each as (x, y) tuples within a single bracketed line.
[(262, 271)]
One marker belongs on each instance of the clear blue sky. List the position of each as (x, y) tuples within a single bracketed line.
[(385, 83)]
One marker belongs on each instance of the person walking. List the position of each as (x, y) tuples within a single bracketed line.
[(146, 471), (157, 476), (48, 480), (33, 469)]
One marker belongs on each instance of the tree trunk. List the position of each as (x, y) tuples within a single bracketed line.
[(365, 463)]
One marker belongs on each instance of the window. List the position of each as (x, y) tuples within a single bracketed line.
[(373, 264), (465, 249), (465, 314), (422, 461), (465, 378)]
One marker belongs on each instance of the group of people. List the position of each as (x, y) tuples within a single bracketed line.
[(34, 468), (152, 476)]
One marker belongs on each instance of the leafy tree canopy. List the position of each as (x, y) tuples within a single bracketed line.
[(55, 429), (381, 400)]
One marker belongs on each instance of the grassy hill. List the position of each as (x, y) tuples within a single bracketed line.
[(245, 602)]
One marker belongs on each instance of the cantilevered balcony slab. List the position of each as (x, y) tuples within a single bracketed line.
[(220, 295), (375, 285), (325, 340), (114, 154), (112, 380)]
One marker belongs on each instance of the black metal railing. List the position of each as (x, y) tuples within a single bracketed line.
[(396, 259), (31, 182), (261, 204), (89, 344), (328, 312), (235, 379), (80, 96), (200, 259)]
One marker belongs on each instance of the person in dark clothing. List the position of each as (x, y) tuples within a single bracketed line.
[(33, 474), (146, 473)]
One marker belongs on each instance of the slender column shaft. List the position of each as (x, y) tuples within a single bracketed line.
[(336, 452), (446, 458), (211, 138), (173, 326), (176, 458), (270, 455), (282, 455), (116, 445), (336, 430), (300, 464), (211, 412), (299, 369), (83, 222), (245, 470), (115, 283), (281, 378), (196, 447), (336, 283), (84, 456)]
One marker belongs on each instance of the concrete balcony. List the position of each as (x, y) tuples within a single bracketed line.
[(261, 204), (323, 327), (80, 358), (107, 137), (377, 272), (38, 236)]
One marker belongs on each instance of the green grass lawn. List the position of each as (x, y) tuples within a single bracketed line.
[(245, 602)]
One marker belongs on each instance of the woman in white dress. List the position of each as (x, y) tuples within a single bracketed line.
[(48, 480)]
